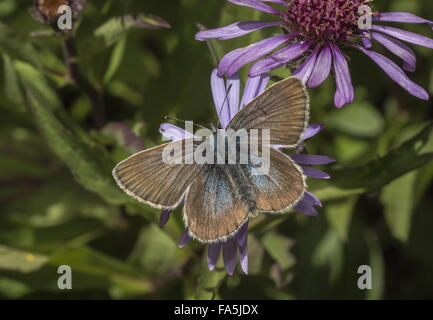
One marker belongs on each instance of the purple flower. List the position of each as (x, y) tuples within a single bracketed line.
[(314, 33), (232, 103)]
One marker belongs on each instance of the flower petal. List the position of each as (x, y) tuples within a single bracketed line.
[(312, 199), (345, 92), (403, 17), (279, 58), (184, 239), (366, 42), (229, 255), (322, 68), (399, 49), (312, 130), (282, 2), (407, 36), (395, 73), (242, 239), (306, 69), (314, 173), (256, 5), (234, 30), (163, 218), (306, 208), (254, 87), (213, 254), (219, 94), (233, 84), (310, 159), (236, 59), (173, 132)]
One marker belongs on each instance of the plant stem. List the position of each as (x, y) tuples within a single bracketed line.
[(71, 57)]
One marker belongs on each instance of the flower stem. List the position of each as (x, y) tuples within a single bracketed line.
[(209, 281), (71, 57)]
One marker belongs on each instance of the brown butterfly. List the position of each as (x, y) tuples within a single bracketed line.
[(219, 198)]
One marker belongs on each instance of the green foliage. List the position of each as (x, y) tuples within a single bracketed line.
[(61, 206)]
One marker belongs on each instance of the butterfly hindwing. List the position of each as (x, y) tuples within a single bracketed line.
[(283, 108), (148, 178), (217, 203), (281, 188)]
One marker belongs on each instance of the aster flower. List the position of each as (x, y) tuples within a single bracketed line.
[(315, 31), (232, 103)]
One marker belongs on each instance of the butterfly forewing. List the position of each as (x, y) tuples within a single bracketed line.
[(282, 108), (149, 179)]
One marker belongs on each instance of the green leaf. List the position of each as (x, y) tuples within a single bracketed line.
[(22, 261), (116, 60), (378, 173), (209, 281), (117, 28), (339, 214), (90, 164), (155, 251), (359, 119), (398, 201), (13, 88), (91, 262), (279, 248)]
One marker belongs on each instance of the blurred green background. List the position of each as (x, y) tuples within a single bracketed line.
[(60, 206)]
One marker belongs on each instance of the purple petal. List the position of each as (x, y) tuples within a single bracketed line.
[(310, 159), (395, 73), (312, 130), (306, 69), (312, 199), (403, 17), (407, 36), (184, 239), (213, 254), (306, 208), (242, 239), (236, 59), (282, 2), (399, 49), (314, 173), (163, 218), (233, 84), (322, 68), (366, 41), (256, 5), (229, 255), (254, 87), (279, 58), (172, 132), (234, 30), (345, 92), (219, 96)]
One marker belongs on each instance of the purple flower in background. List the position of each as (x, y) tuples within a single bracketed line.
[(314, 33), (227, 105)]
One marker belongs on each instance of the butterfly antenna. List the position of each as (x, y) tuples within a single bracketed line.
[(183, 121), (222, 106)]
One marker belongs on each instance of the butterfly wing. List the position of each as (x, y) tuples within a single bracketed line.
[(281, 188), (216, 204), (148, 178), (283, 108)]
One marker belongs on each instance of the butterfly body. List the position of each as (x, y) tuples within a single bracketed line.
[(221, 193)]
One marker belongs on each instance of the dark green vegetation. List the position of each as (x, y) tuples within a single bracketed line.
[(59, 204)]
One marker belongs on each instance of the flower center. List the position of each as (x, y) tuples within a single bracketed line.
[(324, 20)]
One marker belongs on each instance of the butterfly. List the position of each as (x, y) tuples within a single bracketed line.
[(219, 198)]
